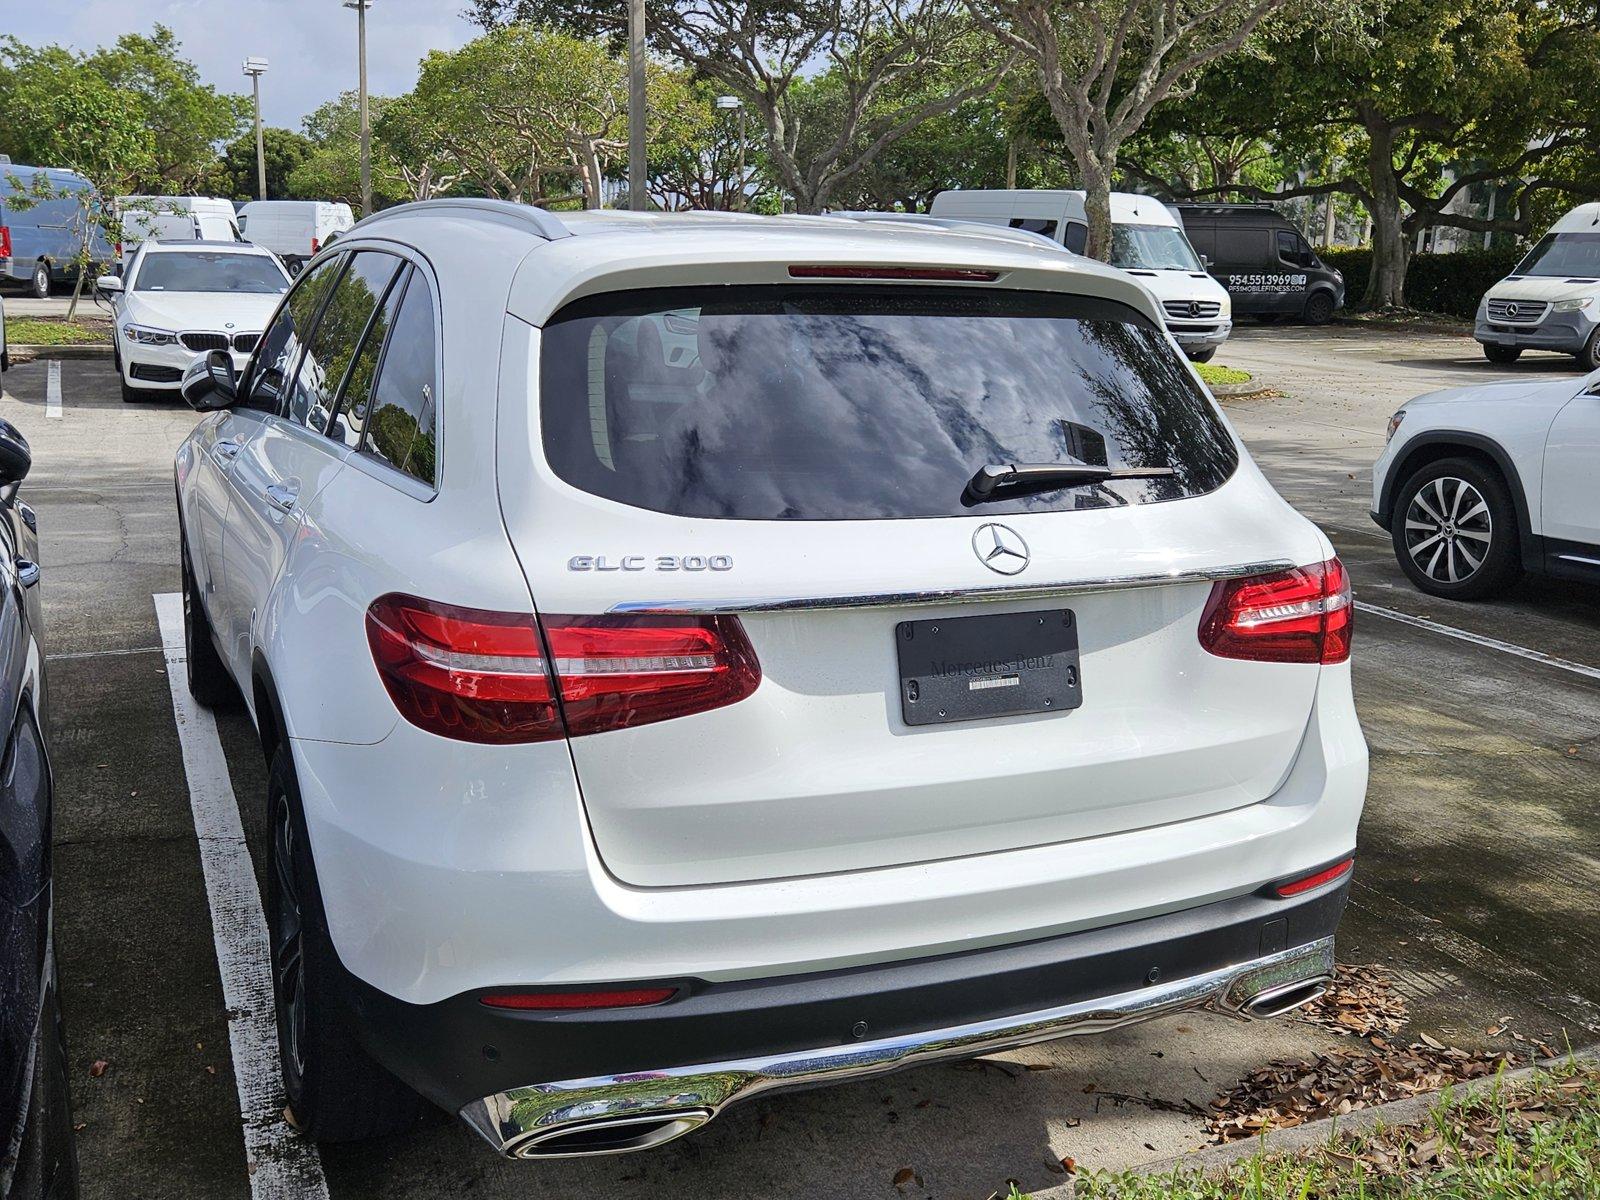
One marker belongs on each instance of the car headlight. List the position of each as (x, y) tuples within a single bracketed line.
[(144, 335), (1394, 425), (1572, 305)]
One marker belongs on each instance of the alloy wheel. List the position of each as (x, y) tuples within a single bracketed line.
[(1449, 529), (288, 942)]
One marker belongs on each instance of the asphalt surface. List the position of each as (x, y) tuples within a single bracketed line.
[(1480, 851)]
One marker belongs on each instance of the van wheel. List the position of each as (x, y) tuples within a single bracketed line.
[(335, 1089), (1589, 357), (1505, 355), (1454, 529), (1319, 309), (1203, 356), (39, 284)]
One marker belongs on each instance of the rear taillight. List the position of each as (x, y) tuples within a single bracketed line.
[(487, 677), (316, 244), (5, 241), (119, 252), (924, 274), (1302, 615)]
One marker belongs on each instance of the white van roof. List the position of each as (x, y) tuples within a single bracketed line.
[(1127, 208), (1583, 219), (180, 203)]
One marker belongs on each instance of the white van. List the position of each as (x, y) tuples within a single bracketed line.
[(1552, 300), (174, 219), (294, 230), (1147, 241)]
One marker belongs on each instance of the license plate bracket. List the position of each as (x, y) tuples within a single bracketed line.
[(994, 665)]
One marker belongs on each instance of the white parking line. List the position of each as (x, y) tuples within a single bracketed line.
[(283, 1165), (52, 390), (1478, 639)]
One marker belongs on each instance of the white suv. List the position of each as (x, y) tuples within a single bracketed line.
[(1478, 484), (704, 654)]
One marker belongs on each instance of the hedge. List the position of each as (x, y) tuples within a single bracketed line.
[(1440, 283)]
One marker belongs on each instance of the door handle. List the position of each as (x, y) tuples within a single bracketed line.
[(226, 450), (282, 496), (27, 572)]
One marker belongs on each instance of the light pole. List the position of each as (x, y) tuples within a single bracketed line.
[(733, 102), (636, 107), (256, 68), (361, 7)]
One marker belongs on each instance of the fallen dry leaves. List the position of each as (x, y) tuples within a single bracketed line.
[(1361, 1001)]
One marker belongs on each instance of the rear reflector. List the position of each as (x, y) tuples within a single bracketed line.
[(1302, 615), (934, 274), (1295, 887), (566, 1001), (487, 677), (5, 242)]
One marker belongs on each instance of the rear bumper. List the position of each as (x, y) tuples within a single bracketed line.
[(532, 1082), (1564, 332)]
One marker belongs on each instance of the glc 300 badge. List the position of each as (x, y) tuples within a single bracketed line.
[(644, 562)]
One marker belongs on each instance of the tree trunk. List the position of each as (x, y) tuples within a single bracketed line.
[(1097, 205), (1386, 287)]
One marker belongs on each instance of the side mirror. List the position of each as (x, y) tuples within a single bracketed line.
[(15, 457), (1205, 261), (209, 383), (109, 284)]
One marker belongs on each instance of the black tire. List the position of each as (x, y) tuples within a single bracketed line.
[(335, 1089), (1445, 515), (1589, 357), (133, 395), (39, 281), (209, 682), (1502, 355), (1319, 308), (1203, 356)]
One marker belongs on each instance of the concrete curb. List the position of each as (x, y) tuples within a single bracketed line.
[(1462, 330), (1254, 390), (1410, 1111), (22, 353)]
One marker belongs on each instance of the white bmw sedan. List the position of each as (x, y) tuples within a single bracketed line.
[(704, 654), (179, 300)]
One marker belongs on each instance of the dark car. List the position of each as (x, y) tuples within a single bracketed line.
[(1268, 267), (37, 1159)]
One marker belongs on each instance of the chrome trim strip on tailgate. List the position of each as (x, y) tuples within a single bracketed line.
[(516, 1122), (1010, 591)]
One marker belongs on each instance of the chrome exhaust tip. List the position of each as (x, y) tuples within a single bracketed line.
[(1276, 1001), (610, 1135)]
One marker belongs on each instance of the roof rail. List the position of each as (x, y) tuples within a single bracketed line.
[(1222, 204), (546, 224)]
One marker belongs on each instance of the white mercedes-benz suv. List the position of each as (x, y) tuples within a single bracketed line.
[(704, 654)]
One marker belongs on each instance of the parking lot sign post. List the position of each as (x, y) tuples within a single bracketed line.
[(256, 68), (636, 107), (361, 7)]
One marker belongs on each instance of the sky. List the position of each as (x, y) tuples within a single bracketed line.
[(310, 45)]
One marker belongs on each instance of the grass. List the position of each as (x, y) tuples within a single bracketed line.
[(1537, 1138), (1215, 375), (34, 331)]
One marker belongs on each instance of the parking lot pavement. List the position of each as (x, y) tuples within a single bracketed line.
[(1480, 853)]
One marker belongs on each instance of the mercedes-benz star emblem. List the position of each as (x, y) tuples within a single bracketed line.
[(1511, 310), (1194, 308), (1000, 548)]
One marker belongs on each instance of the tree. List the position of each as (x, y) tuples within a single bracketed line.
[(89, 129), (417, 162), (523, 108), (1104, 65), (187, 119), (332, 169), (711, 166), (234, 175), (765, 51), (1430, 99)]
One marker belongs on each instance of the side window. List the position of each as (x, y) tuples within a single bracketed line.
[(333, 345), (400, 425), (280, 345), (1241, 248), (351, 419), (1076, 238), (1035, 225), (1289, 247)]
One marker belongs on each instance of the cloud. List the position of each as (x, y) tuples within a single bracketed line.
[(311, 44)]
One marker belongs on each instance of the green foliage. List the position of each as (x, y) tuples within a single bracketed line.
[(234, 175), (34, 331), (332, 168), (1215, 373), (1441, 283)]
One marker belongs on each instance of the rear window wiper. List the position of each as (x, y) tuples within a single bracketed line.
[(996, 481)]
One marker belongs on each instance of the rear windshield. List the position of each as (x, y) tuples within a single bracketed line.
[(1563, 254), (858, 403)]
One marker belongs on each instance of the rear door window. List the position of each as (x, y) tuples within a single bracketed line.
[(333, 346), (401, 425), (856, 403)]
